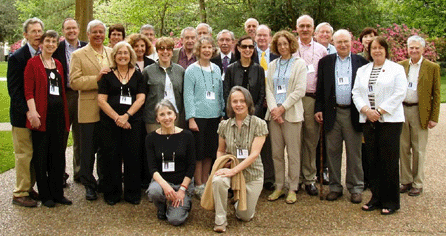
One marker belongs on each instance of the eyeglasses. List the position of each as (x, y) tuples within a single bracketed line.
[(162, 48), (244, 46)]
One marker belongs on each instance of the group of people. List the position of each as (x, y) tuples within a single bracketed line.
[(215, 119)]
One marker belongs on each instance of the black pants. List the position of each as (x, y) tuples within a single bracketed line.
[(89, 147), (382, 148), (121, 144), (49, 157)]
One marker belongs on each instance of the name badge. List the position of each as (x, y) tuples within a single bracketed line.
[(210, 95), (242, 153), (310, 68), (125, 100), (54, 90), (342, 81), (412, 86), (168, 166), (281, 89)]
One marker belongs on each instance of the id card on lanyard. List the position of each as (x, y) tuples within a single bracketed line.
[(168, 166), (125, 99), (54, 87)]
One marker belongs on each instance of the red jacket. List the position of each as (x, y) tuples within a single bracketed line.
[(36, 86)]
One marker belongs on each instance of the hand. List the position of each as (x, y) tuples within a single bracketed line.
[(171, 195), (431, 124), (103, 71), (225, 172), (277, 112), (227, 165), (34, 119), (122, 120), (127, 126), (318, 117), (279, 120), (193, 125), (372, 115), (180, 198)]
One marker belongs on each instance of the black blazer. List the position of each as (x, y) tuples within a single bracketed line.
[(217, 60), (325, 91), (147, 62), (59, 54), (256, 75), (272, 56), (16, 69)]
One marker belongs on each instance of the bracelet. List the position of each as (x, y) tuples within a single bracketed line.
[(379, 111), (128, 114), (183, 188)]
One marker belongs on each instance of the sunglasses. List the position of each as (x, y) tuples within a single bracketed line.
[(162, 48), (244, 46)]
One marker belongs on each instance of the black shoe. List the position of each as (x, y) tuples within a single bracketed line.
[(111, 202), (390, 211), (63, 201), (34, 195), (134, 202), (90, 194), (311, 189), (333, 196), (49, 203), (268, 186), (161, 215)]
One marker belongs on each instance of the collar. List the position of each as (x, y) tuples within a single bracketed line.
[(69, 45), (347, 57), (307, 45), (418, 63), (97, 53), (222, 55), (32, 50), (259, 51), (168, 69), (245, 121)]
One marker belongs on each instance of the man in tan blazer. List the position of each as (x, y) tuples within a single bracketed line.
[(87, 66), (421, 110)]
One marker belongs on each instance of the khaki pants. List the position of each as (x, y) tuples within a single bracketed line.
[(413, 143), (23, 148), (310, 138), (220, 186)]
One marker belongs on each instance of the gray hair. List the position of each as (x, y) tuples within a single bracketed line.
[(200, 41), (188, 29), (146, 27), (225, 31), (95, 23), (318, 27), (305, 17), (263, 27), (416, 38), (248, 100), (165, 103), (204, 24), (31, 21), (251, 19), (118, 46), (341, 32)]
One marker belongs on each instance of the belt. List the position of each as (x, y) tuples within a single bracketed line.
[(343, 106), (312, 95), (410, 104)]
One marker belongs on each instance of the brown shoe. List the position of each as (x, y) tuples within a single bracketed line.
[(333, 196), (405, 187), (415, 192), (356, 198), (24, 201)]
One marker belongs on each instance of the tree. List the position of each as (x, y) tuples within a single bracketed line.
[(10, 29)]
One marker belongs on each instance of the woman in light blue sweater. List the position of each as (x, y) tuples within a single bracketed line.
[(204, 105)]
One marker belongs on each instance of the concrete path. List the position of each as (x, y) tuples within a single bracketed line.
[(5, 126), (423, 215), (2, 79)]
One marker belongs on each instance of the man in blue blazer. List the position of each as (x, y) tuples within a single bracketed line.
[(70, 30), (334, 108), (18, 111), (225, 40)]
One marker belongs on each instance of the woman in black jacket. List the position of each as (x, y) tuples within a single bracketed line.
[(246, 73)]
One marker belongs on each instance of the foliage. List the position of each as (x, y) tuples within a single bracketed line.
[(7, 160), (440, 45), (9, 24), (4, 102)]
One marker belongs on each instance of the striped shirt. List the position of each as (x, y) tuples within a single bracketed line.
[(252, 127), (372, 81)]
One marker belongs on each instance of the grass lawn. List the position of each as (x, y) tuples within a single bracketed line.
[(7, 160), (4, 102), (443, 88), (3, 66)]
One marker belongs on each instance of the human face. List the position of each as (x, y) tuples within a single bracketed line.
[(165, 53), (49, 45), (283, 46), (415, 50), (203, 31), (33, 34), (116, 37), (305, 29), (367, 39), (189, 39), (122, 57), (324, 35), (263, 38), (251, 27), (343, 44), (206, 50), (238, 104), (150, 34), (70, 30), (246, 48), (140, 49), (96, 35), (378, 53), (166, 117), (225, 43)]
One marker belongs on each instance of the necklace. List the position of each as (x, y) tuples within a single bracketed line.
[(161, 132), (123, 79)]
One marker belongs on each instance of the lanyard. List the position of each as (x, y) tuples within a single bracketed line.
[(286, 68), (341, 67), (173, 156), (247, 138), (128, 90), (204, 78)]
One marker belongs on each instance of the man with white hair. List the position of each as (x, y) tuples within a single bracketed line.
[(334, 108), (323, 35), (184, 56), (251, 27), (225, 40), (421, 110), (263, 39), (87, 66), (204, 29), (311, 52), (149, 32)]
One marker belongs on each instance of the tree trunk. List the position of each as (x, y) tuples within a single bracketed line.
[(84, 14), (203, 11)]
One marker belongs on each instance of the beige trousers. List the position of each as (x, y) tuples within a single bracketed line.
[(310, 138), (220, 186), (413, 143), (23, 148)]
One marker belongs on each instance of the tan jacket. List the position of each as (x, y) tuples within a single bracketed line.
[(238, 185), (84, 68), (428, 90)]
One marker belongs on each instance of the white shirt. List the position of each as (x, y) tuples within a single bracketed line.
[(412, 81)]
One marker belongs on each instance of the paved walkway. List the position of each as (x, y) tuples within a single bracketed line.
[(5, 126), (2, 79), (423, 215)]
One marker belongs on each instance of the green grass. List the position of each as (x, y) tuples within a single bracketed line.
[(3, 66), (4, 102), (443, 88), (7, 160)]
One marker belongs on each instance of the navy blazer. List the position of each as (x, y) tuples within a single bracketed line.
[(217, 61), (16, 69), (325, 91), (59, 54)]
